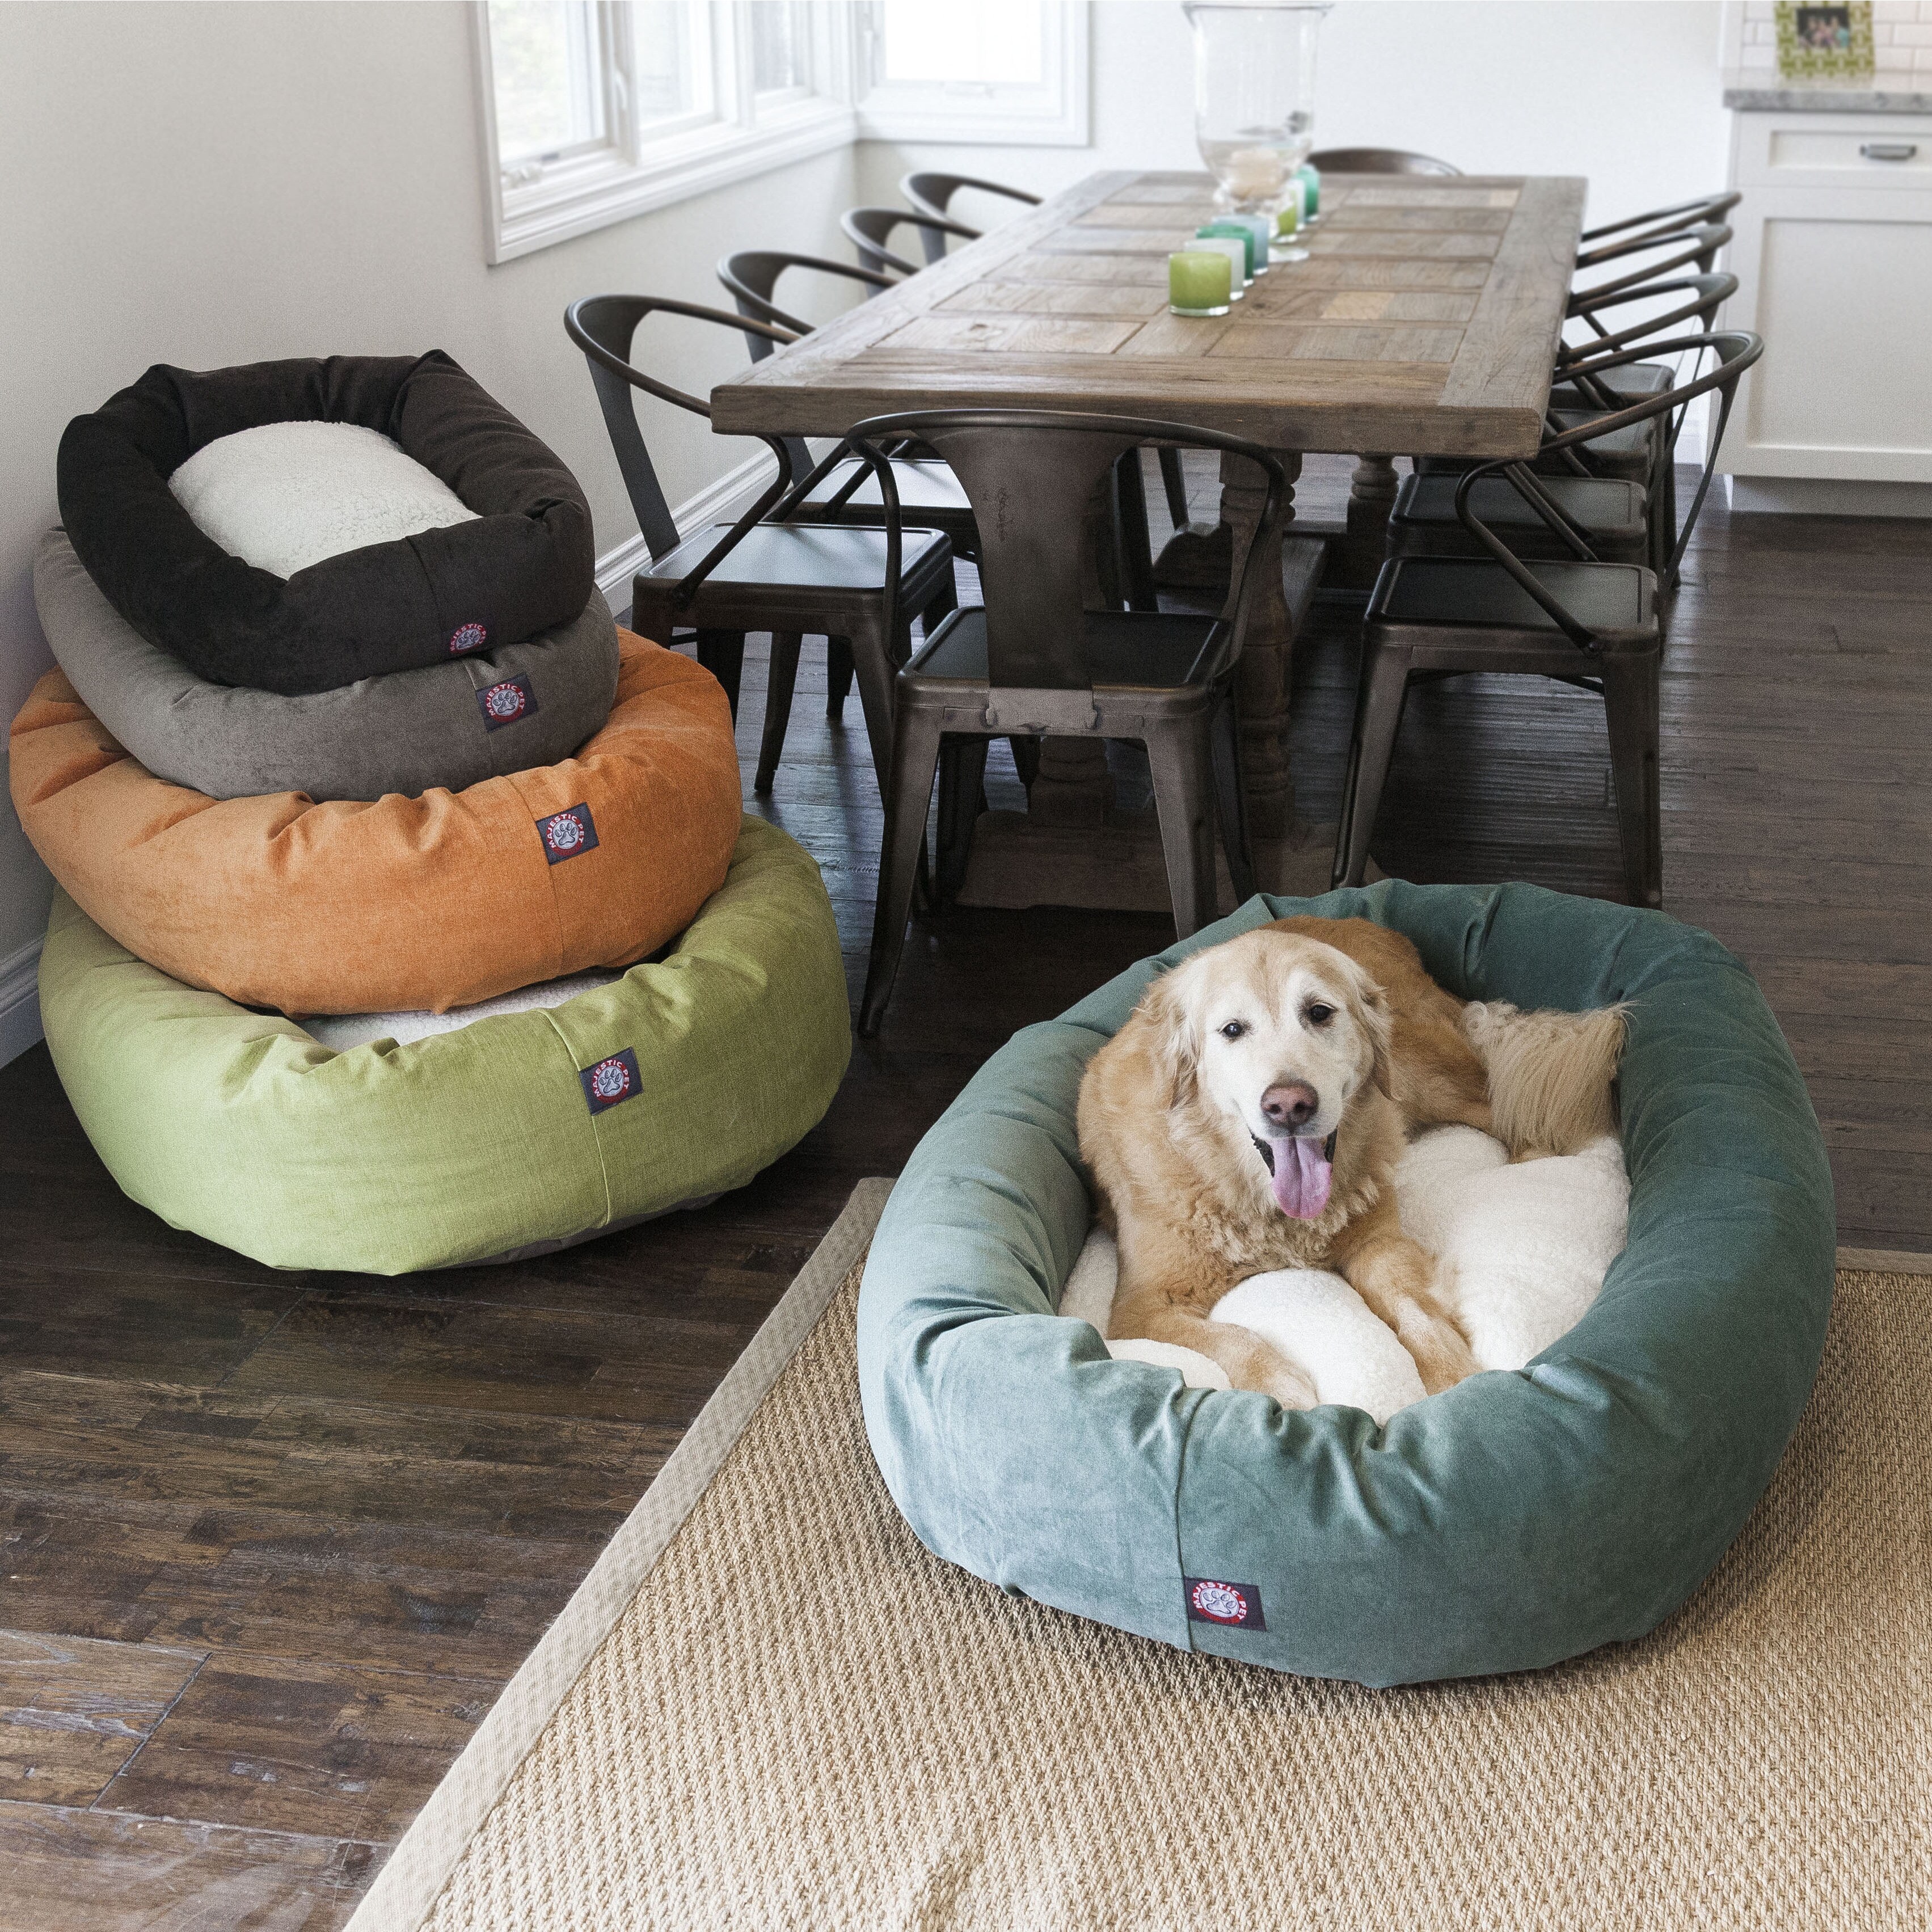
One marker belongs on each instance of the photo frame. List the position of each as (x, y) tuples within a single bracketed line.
[(1827, 43)]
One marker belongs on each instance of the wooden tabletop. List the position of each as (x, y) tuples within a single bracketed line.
[(1426, 321)]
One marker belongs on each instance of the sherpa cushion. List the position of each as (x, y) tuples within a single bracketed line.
[(288, 495), (678, 1080), (521, 565), (429, 902), (452, 725), (1520, 1517)]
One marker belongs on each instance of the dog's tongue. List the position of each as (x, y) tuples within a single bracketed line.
[(1300, 1178)]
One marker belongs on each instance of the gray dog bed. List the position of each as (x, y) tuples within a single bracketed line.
[(456, 724)]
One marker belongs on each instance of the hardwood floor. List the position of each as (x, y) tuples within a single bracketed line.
[(273, 1543)]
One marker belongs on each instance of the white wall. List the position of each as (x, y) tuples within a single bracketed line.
[(1624, 91), (206, 184)]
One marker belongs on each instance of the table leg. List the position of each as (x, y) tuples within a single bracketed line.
[(1267, 655), (1371, 493)]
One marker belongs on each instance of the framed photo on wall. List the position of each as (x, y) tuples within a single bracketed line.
[(1824, 43)]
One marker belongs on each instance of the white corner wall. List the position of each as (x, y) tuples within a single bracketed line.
[(211, 184), (1627, 92)]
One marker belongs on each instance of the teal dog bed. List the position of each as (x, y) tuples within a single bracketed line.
[(517, 1133), (1515, 1520)]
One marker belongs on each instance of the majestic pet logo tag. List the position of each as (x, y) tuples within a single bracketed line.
[(610, 1081), (467, 637), (504, 703), (1211, 1601), (566, 834)]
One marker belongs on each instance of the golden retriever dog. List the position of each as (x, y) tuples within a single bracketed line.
[(1250, 1114)]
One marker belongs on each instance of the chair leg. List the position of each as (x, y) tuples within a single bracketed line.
[(962, 797), (1181, 757), (722, 654), (1231, 804), (778, 687), (1378, 718), (943, 602), (873, 662), (915, 756), (1136, 546), (1173, 481), (1630, 701), (1026, 759), (838, 675)]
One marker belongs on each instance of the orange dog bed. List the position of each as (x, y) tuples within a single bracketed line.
[(406, 903)]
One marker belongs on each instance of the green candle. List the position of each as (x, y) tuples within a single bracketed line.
[(1235, 231), (1199, 282), (1288, 217)]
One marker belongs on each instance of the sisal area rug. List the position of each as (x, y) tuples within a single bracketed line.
[(768, 1706)]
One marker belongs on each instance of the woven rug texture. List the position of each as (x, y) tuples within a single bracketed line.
[(803, 1719)]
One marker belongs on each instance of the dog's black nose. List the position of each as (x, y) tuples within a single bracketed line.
[(1291, 1105)]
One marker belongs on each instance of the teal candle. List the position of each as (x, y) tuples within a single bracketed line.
[(1234, 230), (1199, 282), (1261, 227), (1311, 175)]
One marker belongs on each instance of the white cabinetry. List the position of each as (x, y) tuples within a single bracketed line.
[(1833, 255)]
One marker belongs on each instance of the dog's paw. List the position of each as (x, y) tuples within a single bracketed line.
[(1289, 1385)]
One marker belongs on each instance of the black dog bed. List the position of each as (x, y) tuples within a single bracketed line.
[(524, 565)]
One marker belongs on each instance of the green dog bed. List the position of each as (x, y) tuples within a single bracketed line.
[(517, 1133), (1515, 1520)]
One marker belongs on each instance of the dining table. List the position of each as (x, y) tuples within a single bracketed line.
[(1424, 321)]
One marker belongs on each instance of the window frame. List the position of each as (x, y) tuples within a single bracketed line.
[(630, 173), (1053, 113)]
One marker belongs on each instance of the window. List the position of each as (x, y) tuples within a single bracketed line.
[(992, 70), (594, 110)]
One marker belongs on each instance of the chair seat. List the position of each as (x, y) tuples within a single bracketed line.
[(923, 486), (1635, 380), (1125, 649), (1619, 601), (802, 556), (1612, 507)]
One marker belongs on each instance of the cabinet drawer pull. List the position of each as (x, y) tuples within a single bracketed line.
[(1889, 151)]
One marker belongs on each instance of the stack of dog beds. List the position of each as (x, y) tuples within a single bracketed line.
[(408, 915)]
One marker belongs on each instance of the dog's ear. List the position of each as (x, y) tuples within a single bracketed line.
[(1371, 1009), (1173, 1044)]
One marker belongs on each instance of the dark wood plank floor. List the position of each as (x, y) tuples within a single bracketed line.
[(272, 1542)]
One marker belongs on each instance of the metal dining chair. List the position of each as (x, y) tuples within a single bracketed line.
[(868, 230), (931, 194), (789, 577), (1377, 161), (1705, 208), (1032, 658), (929, 494), (1581, 620)]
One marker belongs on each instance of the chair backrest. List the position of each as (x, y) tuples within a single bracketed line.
[(1378, 161), (1696, 246), (1731, 351), (1034, 477), (931, 194), (1706, 208), (1707, 293), (751, 278), (868, 228), (602, 326)]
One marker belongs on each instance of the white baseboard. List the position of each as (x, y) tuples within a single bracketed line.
[(723, 501), (19, 1001), (1828, 497)]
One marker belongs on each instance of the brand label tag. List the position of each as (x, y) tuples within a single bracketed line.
[(611, 1081), (504, 703), (567, 834), (1209, 1601)]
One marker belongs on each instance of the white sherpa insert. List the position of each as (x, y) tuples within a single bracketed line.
[(341, 1031), (287, 495), (1524, 1249)]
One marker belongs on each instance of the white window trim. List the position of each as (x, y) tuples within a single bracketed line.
[(590, 191), (1053, 114)]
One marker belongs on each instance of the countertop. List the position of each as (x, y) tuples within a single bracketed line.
[(1764, 93)]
